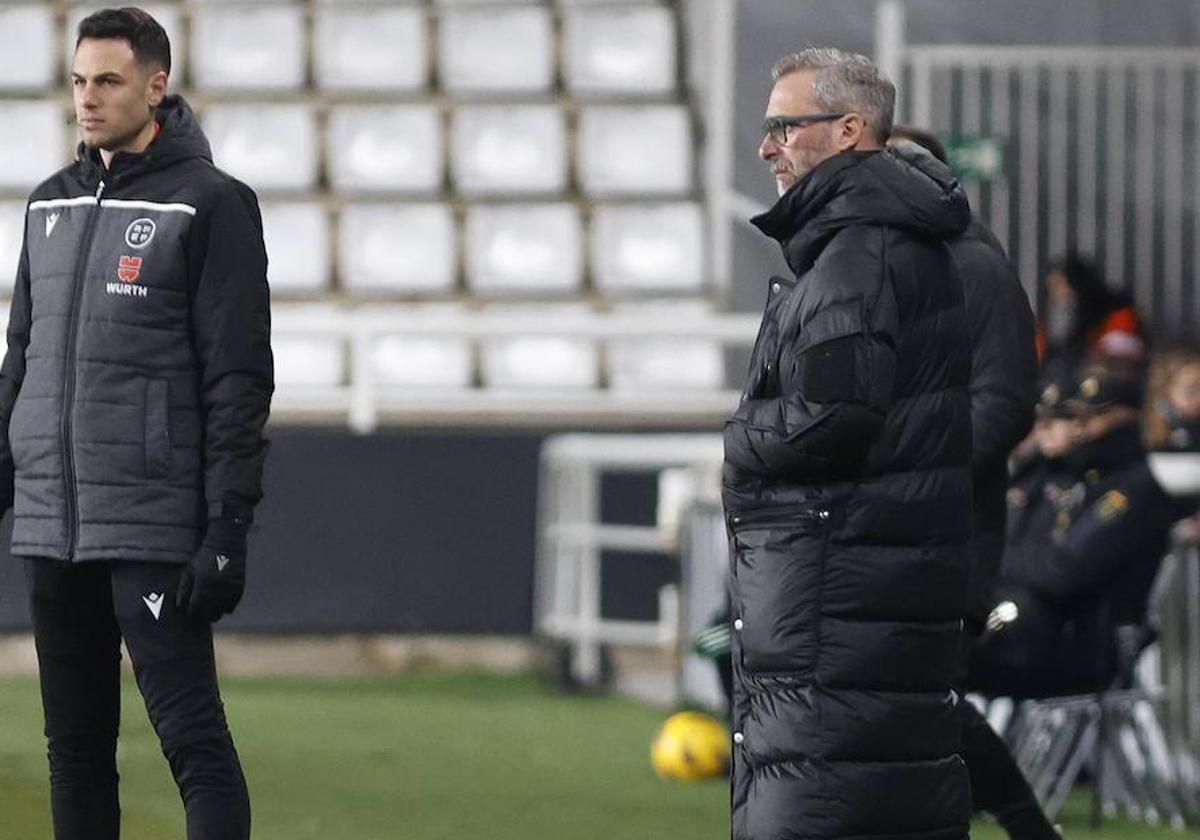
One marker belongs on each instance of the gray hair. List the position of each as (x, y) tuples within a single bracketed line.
[(845, 81)]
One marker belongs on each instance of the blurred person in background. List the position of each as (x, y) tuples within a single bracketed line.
[(1088, 527), (1003, 386), (847, 480), (1173, 408), (1085, 318), (133, 397)]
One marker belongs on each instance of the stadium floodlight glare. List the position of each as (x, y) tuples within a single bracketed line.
[(248, 47), (504, 49), (35, 144), (397, 248), (423, 361), (385, 148), (620, 50), (168, 17), (297, 236), (12, 229), (535, 361), (508, 149), (371, 48), (523, 248), (648, 248), (27, 38), (665, 364), (635, 150), (270, 147)]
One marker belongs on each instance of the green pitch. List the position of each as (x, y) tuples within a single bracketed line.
[(462, 757)]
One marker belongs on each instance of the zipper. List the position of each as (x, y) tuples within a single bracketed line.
[(779, 514), (69, 374)]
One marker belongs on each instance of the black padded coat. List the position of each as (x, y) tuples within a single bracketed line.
[(848, 493)]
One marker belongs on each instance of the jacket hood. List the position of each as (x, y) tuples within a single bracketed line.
[(179, 138), (905, 190)]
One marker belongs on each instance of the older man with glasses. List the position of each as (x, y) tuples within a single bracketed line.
[(847, 481)]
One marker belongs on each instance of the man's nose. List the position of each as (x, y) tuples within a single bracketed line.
[(768, 149)]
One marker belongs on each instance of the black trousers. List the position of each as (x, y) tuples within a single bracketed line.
[(81, 612)]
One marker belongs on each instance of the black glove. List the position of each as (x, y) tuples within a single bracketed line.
[(212, 583)]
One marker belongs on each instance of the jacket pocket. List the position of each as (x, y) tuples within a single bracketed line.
[(157, 431)]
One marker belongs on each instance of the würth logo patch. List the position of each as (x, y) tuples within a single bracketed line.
[(128, 270)]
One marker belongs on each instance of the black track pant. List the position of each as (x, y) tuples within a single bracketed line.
[(81, 612)]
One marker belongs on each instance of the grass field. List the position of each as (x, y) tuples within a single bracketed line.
[(431, 757)]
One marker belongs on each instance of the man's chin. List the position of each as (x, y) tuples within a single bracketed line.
[(782, 185)]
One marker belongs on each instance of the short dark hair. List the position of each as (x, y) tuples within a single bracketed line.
[(145, 35), (925, 139)]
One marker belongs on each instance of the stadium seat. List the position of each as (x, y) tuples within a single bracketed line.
[(539, 361), (397, 248), (523, 248), (496, 49), (508, 149), (27, 39), (12, 231), (370, 48), (648, 248), (248, 46), (270, 147), (39, 148), (304, 360), (167, 15), (665, 364), (298, 246), (385, 148), (635, 150), (619, 50), (422, 361)]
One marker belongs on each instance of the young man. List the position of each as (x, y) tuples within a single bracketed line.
[(133, 397), (847, 481)]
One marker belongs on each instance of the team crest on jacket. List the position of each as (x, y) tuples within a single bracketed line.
[(140, 232)]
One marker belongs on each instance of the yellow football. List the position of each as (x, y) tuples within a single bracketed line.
[(690, 746)]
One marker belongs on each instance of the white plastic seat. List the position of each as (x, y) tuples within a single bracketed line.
[(392, 148), (540, 361), (619, 50), (371, 48), (12, 231), (27, 38), (422, 361), (508, 149), (397, 248), (635, 150), (665, 364), (168, 17), (648, 248), (303, 358), (496, 49), (297, 237), (248, 46), (35, 144), (523, 248), (270, 147)]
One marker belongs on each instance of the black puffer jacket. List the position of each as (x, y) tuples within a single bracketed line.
[(1004, 375), (848, 492), (138, 375)]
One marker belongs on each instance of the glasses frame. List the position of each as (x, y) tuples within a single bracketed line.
[(776, 127)]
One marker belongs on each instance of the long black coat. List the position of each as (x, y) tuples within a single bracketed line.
[(848, 493)]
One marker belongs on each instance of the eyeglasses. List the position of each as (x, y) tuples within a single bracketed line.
[(776, 127)]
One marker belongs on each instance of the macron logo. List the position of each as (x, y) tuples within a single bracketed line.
[(153, 602), (51, 221), (222, 562)]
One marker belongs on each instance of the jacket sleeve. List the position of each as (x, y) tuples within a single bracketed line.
[(231, 328), (837, 373), (1004, 364), (12, 372)]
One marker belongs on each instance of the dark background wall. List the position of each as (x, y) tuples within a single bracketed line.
[(404, 531)]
